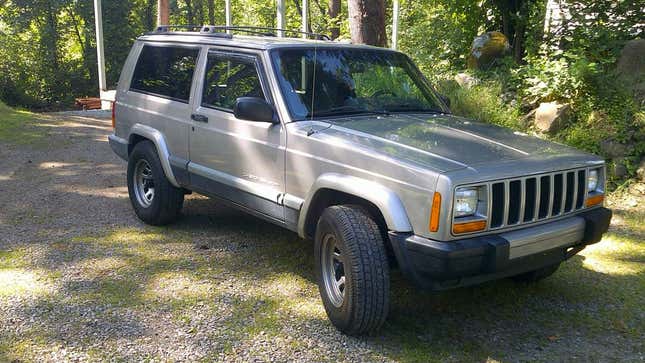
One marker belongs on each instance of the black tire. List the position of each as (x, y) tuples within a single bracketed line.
[(536, 275), (364, 304), (167, 200)]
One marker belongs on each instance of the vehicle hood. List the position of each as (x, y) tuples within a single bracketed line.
[(444, 142)]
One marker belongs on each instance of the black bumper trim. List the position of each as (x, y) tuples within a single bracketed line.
[(120, 148), (440, 265)]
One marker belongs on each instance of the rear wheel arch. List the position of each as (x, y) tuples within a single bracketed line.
[(133, 140), (139, 133)]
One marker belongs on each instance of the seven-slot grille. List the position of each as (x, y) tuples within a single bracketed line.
[(537, 197)]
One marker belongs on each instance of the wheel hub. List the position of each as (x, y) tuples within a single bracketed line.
[(333, 270), (144, 183)]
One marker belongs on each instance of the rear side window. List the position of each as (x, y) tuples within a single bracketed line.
[(165, 71), (228, 78)]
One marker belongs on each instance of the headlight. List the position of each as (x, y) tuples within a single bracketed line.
[(466, 201), (592, 180)]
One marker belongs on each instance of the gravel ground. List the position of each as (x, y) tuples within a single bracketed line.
[(81, 279)]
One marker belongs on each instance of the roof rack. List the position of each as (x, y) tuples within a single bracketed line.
[(223, 31)]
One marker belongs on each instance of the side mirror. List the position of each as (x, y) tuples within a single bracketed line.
[(253, 109), (445, 99)]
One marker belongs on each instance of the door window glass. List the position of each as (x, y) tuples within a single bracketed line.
[(227, 79)]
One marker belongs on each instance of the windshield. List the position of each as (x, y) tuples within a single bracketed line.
[(335, 82)]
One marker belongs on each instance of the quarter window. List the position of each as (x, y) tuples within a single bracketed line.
[(227, 79), (165, 71)]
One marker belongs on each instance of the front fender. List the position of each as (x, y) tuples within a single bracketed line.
[(157, 138), (383, 198)]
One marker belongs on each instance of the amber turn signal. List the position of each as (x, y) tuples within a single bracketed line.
[(595, 200), (113, 114), (434, 212), (466, 227)]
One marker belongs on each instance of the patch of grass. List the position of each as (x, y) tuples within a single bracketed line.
[(483, 102), (17, 126)]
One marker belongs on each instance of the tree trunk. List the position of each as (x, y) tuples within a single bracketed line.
[(334, 10), (211, 11), (162, 12), (515, 14), (189, 13), (367, 22), (150, 14)]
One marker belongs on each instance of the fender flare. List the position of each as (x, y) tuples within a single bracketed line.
[(382, 197), (157, 138)]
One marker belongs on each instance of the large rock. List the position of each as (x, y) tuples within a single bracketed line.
[(486, 49), (465, 80), (619, 170), (640, 172), (613, 149), (631, 62), (631, 68), (551, 117)]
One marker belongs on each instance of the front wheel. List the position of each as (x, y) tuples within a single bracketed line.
[(352, 269)]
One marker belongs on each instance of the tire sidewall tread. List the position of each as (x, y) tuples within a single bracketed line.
[(366, 302)]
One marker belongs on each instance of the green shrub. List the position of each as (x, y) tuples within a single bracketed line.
[(483, 102)]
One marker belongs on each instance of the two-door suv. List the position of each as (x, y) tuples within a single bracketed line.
[(350, 146)]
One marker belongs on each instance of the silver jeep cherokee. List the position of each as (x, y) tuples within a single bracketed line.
[(350, 146)]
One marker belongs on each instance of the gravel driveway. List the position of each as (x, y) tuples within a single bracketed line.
[(81, 279)]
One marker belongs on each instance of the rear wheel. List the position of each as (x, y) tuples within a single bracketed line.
[(536, 275), (154, 199), (352, 269)]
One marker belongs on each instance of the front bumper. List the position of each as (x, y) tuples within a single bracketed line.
[(442, 265)]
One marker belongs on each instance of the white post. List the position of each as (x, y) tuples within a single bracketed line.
[(305, 17), (281, 17), (100, 54), (395, 23), (227, 13)]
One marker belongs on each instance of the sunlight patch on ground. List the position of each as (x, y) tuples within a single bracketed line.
[(615, 256), (125, 236), (21, 282), (101, 267), (288, 285), (55, 164), (178, 285), (72, 124)]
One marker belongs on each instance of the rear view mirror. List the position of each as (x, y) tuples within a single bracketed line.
[(253, 109)]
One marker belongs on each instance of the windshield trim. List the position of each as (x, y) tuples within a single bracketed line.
[(274, 59)]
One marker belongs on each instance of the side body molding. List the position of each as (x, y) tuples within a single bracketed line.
[(157, 138), (383, 198)]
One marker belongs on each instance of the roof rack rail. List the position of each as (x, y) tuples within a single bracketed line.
[(223, 31)]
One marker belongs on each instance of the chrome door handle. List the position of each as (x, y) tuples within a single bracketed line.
[(199, 118)]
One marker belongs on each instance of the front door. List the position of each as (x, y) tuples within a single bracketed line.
[(242, 161)]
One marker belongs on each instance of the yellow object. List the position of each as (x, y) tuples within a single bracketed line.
[(475, 226), (595, 200), (434, 212)]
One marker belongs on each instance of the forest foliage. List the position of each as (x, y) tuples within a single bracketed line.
[(48, 54)]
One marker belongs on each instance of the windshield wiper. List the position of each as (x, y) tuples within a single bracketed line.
[(346, 110), (410, 108)]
